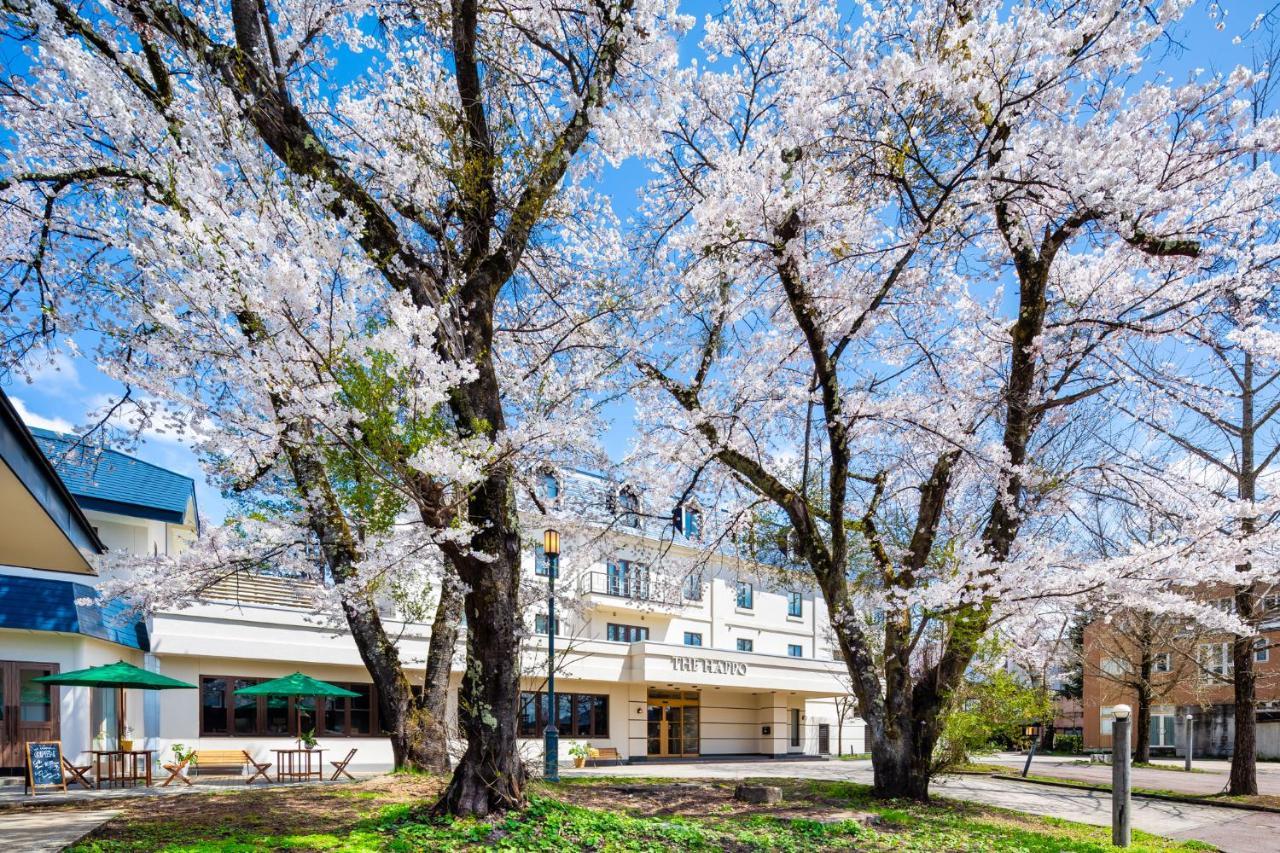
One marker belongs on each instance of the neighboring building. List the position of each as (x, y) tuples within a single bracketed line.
[(666, 653), (1191, 675)]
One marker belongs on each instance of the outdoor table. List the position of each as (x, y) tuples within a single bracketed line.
[(122, 766), (296, 764)]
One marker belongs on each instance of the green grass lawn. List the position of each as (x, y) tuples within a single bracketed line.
[(599, 815)]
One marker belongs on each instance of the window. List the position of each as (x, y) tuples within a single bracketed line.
[(746, 595), (746, 645), (795, 604), (1215, 660), (577, 714), (1161, 728), (542, 563), (1261, 650), (549, 484), (628, 507), (795, 726), (1106, 720), (1115, 667), (794, 650), (224, 713), (692, 638), (689, 521), (628, 580), (692, 586), (1163, 662), (540, 625), (626, 633)]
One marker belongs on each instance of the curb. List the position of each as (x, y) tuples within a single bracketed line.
[(1194, 800)]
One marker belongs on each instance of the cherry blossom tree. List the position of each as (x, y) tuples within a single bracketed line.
[(261, 210), (888, 268)]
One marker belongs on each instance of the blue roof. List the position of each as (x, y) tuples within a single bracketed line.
[(111, 481), (37, 604)]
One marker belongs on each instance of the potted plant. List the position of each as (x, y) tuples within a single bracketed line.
[(126, 742), (181, 753), (580, 752), (308, 739)]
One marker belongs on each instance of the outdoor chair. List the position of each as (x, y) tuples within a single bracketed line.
[(260, 768), (342, 767), (77, 772), (175, 769)]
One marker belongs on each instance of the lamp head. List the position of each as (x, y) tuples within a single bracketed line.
[(551, 543), (1121, 712)]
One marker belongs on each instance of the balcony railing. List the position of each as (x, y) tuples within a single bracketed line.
[(641, 587)]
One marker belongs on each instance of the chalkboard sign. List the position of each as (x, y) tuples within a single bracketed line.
[(44, 764)]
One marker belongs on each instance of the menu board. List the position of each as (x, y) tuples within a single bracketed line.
[(44, 764)]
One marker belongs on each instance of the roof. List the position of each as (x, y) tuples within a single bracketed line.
[(110, 481), (39, 604), (29, 463)]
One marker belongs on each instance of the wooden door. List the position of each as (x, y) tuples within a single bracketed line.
[(28, 709), (824, 739)]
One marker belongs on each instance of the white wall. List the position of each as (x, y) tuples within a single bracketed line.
[(71, 652)]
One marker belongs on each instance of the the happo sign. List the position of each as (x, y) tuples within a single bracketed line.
[(716, 667)]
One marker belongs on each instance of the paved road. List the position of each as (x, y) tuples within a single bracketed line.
[(48, 830), (1210, 778), (1232, 830)]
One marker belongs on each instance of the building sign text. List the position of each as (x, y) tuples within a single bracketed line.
[(717, 667)]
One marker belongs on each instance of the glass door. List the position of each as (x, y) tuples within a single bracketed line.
[(28, 709), (673, 724)]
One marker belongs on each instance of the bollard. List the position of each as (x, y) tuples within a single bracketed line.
[(1120, 797), (1190, 740)]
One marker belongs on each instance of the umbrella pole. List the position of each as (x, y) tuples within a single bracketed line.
[(119, 716)]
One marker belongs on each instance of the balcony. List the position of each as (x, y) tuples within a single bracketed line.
[(639, 589)]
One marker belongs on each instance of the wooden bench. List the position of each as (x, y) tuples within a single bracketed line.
[(605, 753), (230, 761)]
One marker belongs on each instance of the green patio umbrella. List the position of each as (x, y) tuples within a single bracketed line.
[(119, 675), (296, 685)]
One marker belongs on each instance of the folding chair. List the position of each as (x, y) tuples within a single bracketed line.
[(260, 768), (77, 773), (342, 767), (175, 771)]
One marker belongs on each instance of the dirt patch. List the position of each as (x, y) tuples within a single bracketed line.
[(703, 799), (270, 811)]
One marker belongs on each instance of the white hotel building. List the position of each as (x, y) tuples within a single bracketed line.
[(663, 652)]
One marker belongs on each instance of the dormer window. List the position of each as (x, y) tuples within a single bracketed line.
[(628, 507), (549, 484), (688, 521)]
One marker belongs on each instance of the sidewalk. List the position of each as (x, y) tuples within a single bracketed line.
[(1232, 830), (49, 831), (1209, 778)]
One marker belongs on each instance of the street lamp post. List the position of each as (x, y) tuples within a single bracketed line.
[(1033, 732), (1120, 744), (551, 734), (1190, 739)]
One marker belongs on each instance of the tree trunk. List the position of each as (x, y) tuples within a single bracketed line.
[(490, 777), (1142, 729), (1244, 777), (435, 686), (902, 759), (1244, 758)]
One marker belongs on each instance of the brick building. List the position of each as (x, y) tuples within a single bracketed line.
[(1188, 674)]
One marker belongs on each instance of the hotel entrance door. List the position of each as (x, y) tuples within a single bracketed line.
[(673, 724)]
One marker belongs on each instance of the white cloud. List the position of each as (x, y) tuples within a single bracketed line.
[(31, 419), (56, 373)]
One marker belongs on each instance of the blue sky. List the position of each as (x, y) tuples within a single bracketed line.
[(67, 389)]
